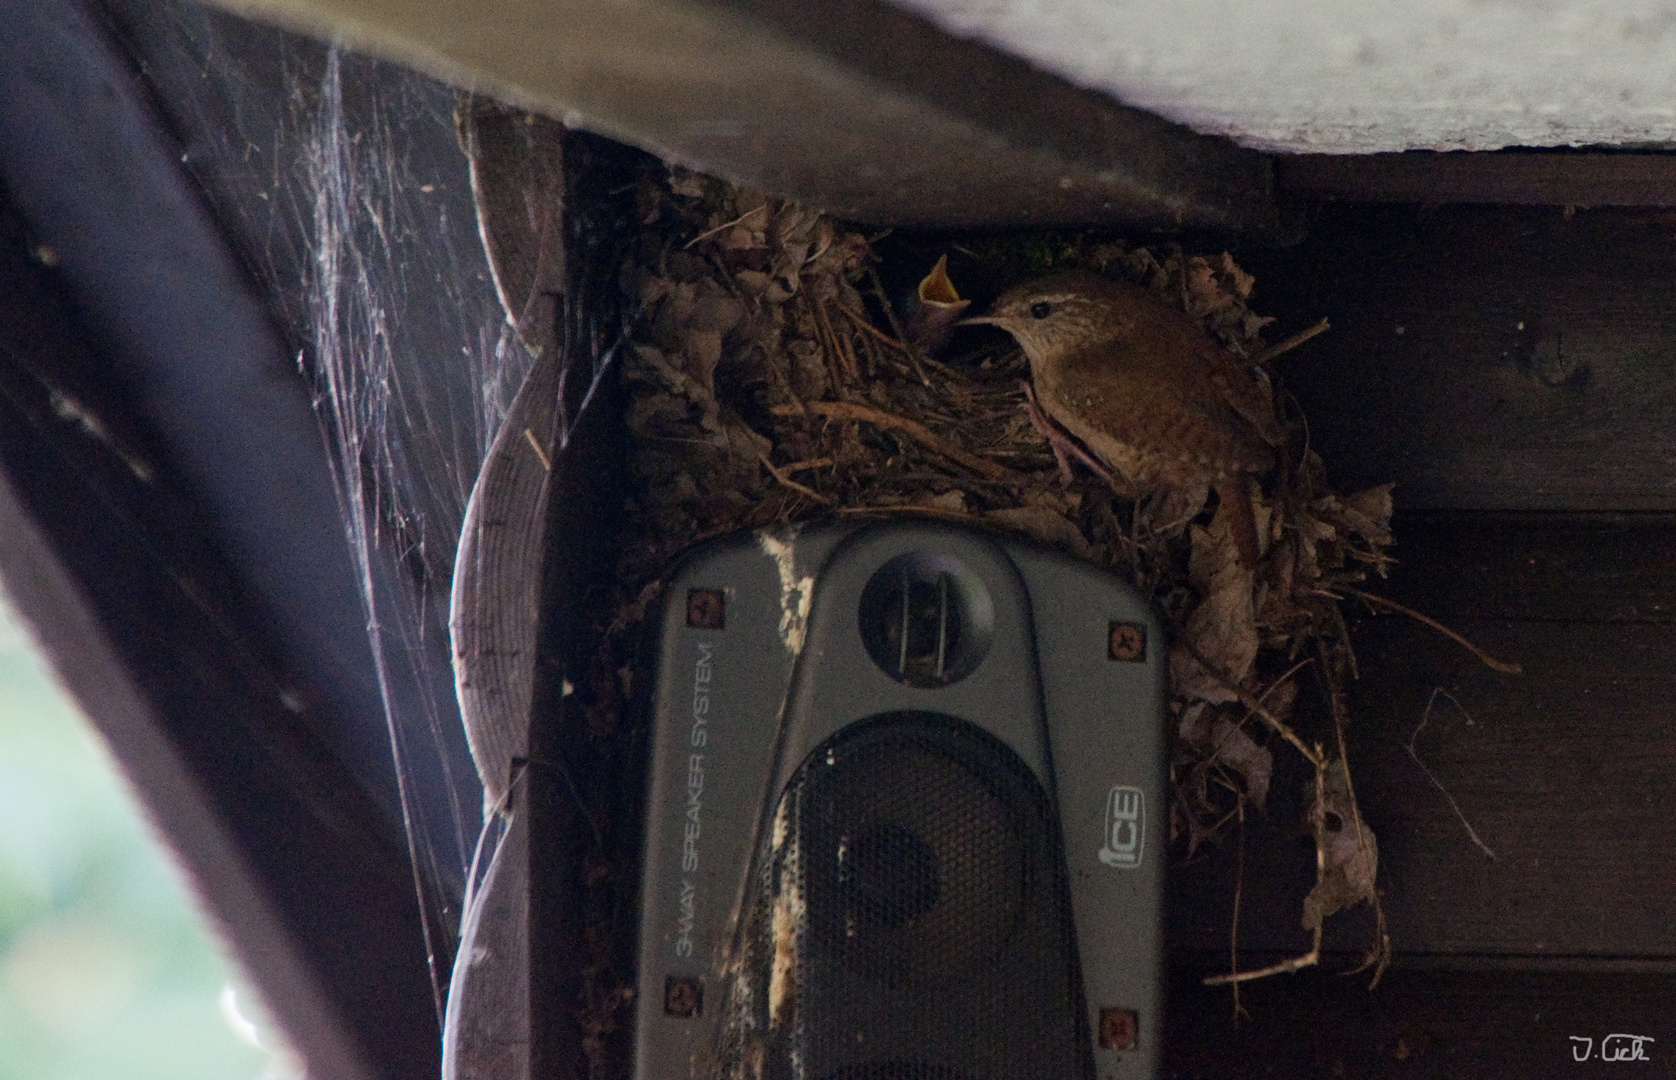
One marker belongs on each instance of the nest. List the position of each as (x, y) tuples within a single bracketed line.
[(773, 378)]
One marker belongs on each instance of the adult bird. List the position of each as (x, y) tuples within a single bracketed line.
[(1145, 389)]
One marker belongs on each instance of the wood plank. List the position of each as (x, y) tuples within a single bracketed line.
[(1486, 358), (1508, 364), (155, 634), (1562, 770), (1541, 567), (1525, 178), (856, 107), (197, 593), (1420, 1024)]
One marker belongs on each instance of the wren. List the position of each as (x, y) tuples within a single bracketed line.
[(1145, 389)]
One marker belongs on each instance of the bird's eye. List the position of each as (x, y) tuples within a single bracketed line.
[(1041, 309)]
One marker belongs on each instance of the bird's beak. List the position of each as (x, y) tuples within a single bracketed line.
[(981, 320)]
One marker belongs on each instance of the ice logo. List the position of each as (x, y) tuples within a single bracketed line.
[(1125, 828)]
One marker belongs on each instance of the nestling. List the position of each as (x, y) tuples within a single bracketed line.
[(1145, 389)]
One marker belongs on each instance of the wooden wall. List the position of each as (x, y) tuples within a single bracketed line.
[(1513, 370)]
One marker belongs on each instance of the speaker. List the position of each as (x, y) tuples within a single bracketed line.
[(905, 813)]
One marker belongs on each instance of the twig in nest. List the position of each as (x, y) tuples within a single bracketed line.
[(786, 481), (1391, 605), (1379, 957), (849, 410), (1453, 805), (865, 346), (631, 613), (896, 326), (806, 464), (827, 340), (1234, 928), (1255, 705), (725, 225), (851, 364), (1296, 963), (889, 342), (535, 444), (1291, 343), (846, 360), (866, 325), (1264, 696), (908, 509), (1235, 976), (1313, 956), (1347, 653)]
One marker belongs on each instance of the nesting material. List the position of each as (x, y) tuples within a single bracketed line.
[(772, 379)]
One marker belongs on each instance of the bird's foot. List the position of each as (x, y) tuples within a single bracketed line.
[(1062, 443)]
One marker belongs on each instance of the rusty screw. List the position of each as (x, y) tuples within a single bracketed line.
[(682, 996), (706, 609), (1119, 1029), (1127, 642)]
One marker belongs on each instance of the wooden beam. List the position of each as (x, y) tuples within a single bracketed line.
[(1523, 178), (1489, 358), (1504, 366), (169, 526), (854, 106), (1558, 771), (118, 575), (1418, 1023)]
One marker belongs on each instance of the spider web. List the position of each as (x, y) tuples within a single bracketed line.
[(340, 182)]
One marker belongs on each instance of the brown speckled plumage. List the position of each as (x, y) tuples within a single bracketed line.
[(1143, 387)]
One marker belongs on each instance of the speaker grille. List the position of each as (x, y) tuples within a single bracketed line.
[(909, 919)]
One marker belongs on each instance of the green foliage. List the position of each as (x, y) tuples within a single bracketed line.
[(106, 972)]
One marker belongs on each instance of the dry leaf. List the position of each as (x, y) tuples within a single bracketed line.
[(704, 352), (1223, 627), (1350, 859), (688, 184), (1368, 513), (754, 281), (1218, 739)]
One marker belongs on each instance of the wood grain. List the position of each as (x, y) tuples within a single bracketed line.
[(487, 1030), (897, 122), (517, 187), (1520, 178), (1562, 771), (1486, 358), (492, 611), (1419, 1025), (1603, 567)]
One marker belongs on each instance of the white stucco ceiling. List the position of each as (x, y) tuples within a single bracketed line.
[(1358, 76)]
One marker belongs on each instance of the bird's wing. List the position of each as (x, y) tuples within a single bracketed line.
[(1243, 392), (1155, 410), (1173, 334)]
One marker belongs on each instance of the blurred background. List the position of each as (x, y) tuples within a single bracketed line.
[(107, 969)]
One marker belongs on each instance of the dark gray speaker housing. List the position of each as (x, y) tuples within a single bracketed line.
[(765, 654)]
